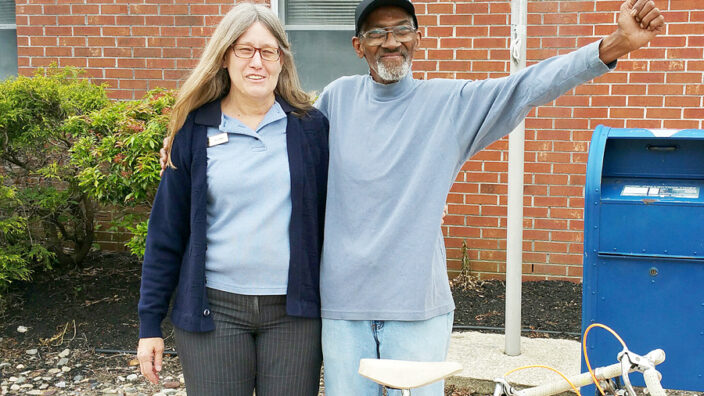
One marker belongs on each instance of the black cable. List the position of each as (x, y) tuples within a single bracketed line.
[(127, 352), (466, 327)]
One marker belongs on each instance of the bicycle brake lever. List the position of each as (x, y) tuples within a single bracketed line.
[(626, 366), (637, 362), (633, 361)]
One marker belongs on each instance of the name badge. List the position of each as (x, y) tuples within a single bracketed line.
[(220, 138)]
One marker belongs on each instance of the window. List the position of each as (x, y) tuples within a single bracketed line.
[(8, 39), (321, 33)]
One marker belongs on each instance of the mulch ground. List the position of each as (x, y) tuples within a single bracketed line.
[(95, 308), (548, 309)]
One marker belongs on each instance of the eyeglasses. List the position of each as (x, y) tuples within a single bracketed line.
[(402, 34), (247, 52)]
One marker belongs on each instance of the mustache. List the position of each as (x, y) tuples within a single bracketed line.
[(401, 51)]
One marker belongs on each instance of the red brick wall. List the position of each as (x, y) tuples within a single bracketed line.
[(133, 46), (138, 45)]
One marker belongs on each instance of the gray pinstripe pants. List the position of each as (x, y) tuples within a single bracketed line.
[(255, 345)]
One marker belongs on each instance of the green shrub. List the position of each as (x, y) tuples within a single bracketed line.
[(19, 253), (119, 158), (36, 135)]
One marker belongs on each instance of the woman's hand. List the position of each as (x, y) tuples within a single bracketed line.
[(149, 354)]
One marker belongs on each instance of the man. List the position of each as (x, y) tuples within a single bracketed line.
[(396, 145)]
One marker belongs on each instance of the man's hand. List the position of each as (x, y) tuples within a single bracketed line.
[(638, 22), (149, 354), (163, 157)]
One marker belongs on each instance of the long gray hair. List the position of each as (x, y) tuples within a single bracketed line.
[(209, 80)]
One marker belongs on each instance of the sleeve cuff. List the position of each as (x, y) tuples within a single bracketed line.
[(595, 50), (149, 326)]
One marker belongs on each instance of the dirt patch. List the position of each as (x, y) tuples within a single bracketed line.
[(95, 307), (549, 308)]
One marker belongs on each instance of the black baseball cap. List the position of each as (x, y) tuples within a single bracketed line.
[(365, 7)]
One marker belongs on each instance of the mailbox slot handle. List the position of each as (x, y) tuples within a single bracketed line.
[(662, 148), (650, 256)]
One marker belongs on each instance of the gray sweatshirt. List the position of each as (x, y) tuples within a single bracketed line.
[(395, 151)]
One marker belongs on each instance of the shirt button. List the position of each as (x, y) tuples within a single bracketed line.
[(206, 312)]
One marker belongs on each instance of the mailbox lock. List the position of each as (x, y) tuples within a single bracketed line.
[(653, 271)]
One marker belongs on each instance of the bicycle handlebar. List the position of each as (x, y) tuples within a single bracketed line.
[(652, 380), (656, 356)]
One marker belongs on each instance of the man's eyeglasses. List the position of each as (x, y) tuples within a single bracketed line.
[(247, 52), (377, 36)]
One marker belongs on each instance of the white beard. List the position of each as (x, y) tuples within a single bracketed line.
[(393, 74)]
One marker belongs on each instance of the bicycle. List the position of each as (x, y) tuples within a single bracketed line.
[(628, 362), (405, 375)]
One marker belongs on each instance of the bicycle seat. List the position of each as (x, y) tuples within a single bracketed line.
[(402, 374)]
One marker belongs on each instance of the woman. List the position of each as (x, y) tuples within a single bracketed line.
[(236, 226)]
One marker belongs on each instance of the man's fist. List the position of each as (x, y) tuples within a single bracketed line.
[(638, 22)]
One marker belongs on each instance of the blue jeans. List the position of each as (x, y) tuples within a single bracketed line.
[(345, 342)]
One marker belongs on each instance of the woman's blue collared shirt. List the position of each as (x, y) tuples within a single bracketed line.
[(249, 206)]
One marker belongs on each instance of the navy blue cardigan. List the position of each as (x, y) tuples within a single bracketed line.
[(175, 252)]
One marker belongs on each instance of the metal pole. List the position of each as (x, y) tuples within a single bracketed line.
[(514, 226), (275, 8)]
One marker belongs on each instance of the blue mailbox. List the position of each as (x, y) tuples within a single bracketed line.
[(643, 271)]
